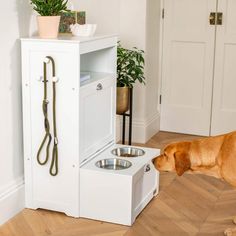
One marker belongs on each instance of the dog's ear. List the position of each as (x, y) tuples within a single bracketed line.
[(182, 162)]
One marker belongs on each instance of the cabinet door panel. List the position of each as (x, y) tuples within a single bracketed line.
[(97, 112), (187, 71), (37, 178), (224, 97)]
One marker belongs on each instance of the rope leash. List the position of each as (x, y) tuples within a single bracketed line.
[(54, 163)]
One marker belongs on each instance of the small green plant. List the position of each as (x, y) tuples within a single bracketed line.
[(49, 7), (130, 66)]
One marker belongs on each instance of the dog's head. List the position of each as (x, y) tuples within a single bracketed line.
[(174, 158)]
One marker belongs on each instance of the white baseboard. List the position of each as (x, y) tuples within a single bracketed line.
[(12, 200), (142, 130)]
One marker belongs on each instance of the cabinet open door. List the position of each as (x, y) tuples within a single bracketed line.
[(97, 119)]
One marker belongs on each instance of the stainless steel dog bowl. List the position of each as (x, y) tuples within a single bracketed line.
[(128, 152), (113, 164)]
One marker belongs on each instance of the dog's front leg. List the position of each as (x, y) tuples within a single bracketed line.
[(230, 232)]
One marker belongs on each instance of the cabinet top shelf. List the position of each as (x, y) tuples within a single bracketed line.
[(70, 39)]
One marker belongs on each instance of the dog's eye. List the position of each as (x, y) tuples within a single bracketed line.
[(166, 156)]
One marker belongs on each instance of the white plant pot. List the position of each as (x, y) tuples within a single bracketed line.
[(48, 26)]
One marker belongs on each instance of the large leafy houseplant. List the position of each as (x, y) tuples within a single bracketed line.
[(130, 66), (130, 69), (49, 16)]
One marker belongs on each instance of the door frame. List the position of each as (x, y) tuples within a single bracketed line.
[(160, 56)]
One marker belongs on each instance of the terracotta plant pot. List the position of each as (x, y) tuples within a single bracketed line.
[(122, 100), (48, 26)]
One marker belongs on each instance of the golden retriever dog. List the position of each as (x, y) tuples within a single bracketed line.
[(213, 156)]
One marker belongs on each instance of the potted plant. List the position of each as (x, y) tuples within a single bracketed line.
[(49, 16), (130, 68)]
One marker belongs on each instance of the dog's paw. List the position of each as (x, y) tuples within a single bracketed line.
[(230, 232), (234, 220)]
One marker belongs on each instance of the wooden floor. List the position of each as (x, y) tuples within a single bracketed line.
[(187, 205)]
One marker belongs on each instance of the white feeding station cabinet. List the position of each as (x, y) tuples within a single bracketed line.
[(71, 161)]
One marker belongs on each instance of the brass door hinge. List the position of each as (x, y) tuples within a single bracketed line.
[(163, 13), (219, 18), (212, 18), (216, 18)]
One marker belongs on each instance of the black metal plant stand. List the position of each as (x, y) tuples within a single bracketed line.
[(130, 115)]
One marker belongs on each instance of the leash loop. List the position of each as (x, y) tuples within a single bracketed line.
[(54, 163)]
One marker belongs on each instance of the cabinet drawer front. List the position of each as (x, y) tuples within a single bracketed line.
[(97, 116)]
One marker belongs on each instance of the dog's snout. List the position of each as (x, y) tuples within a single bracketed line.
[(156, 162)]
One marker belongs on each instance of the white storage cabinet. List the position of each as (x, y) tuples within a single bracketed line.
[(85, 115), (85, 112)]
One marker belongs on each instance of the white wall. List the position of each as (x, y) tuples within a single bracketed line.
[(139, 26), (133, 33), (14, 24), (104, 13), (152, 66)]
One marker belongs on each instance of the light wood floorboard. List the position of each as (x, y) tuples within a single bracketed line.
[(188, 205)]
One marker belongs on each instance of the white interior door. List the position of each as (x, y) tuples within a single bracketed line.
[(224, 96), (187, 71)]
